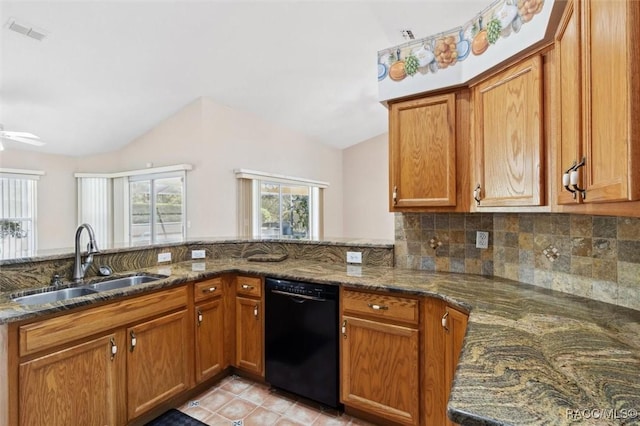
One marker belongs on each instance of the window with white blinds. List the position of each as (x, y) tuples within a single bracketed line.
[(94, 207), (18, 207)]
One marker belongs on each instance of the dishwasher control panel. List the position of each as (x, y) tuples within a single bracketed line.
[(302, 288)]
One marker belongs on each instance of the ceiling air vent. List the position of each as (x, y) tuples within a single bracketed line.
[(26, 30)]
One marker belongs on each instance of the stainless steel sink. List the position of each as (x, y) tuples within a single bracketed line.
[(123, 282), (70, 293), (54, 296)]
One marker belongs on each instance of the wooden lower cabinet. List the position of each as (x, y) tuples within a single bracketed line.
[(123, 360), (249, 335), (380, 369), (380, 356), (445, 328), (74, 386), (157, 362), (212, 339), (103, 365), (209, 342)]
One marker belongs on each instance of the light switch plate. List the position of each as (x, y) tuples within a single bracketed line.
[(164, 257), (354, 257), (197, 254)]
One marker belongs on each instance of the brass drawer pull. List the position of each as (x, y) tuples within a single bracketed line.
[(247, 287), (209, 290), (376, 307)]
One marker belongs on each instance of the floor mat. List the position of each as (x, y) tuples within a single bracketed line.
[(174, 417)]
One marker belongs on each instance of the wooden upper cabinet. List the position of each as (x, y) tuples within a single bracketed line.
[(569, 94), (600, 67), (422, 152), (508, 136)]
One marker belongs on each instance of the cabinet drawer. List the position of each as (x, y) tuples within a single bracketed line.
[(207, 289), (59, 330), (249, 286), (381, 306)]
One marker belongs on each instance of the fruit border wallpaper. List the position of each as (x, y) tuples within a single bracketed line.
[(486, 34)]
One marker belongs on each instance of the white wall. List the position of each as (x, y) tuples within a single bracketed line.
[(365, 186), (56, 215), (216, 139)]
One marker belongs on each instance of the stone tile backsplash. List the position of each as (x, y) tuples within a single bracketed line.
[(597, 257)]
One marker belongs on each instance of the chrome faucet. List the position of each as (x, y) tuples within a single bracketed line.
[(79, 268)]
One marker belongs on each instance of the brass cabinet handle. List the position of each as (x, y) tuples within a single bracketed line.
[(199, 314), (134, 341), (114, 348), (477, 194), (209, 290), (395, 195), (445, 321), (247, 287), (344, 329), (376, 307)]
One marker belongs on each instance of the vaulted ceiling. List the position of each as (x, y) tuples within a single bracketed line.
[(108, 71)]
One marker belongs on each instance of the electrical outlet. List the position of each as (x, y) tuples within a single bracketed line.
[(354, 257), (482, 239), (164, 257), (197, 254)]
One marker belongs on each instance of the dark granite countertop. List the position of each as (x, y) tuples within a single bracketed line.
[(530, 356)]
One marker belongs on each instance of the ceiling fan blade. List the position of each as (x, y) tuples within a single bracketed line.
[(10, 134), (35, 142)]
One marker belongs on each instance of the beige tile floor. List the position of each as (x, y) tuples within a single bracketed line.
[(236, 401)]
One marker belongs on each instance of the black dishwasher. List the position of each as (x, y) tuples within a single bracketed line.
[(301, 339)]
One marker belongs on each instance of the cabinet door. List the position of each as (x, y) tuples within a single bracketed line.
[(249, 335), (508, 136), (74, 386), (455, 327), (157, 361), (380, 369), (569, 72), (422, 152), (445, 328), (209, 339), (611, 112)]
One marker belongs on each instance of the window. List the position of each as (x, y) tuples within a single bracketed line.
[(136, 207), (284, 210), (156, 208), (18, 195), (274, 206)]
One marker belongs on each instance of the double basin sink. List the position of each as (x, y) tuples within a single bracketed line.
[(70, 293)]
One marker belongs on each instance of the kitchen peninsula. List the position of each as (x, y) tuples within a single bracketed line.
[(530, 355)]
